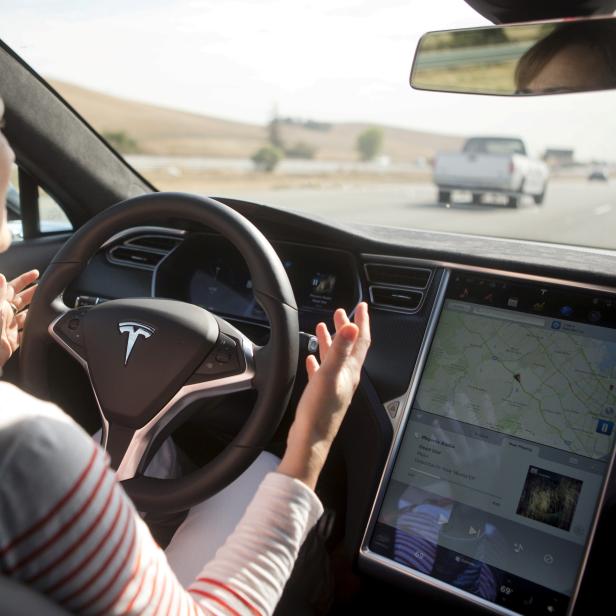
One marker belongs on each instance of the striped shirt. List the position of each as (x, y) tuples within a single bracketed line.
[(68, 530)]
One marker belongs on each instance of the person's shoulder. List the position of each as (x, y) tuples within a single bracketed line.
[(35, 434), (44, 456)]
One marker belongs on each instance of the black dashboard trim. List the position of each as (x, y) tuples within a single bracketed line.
[(452, 265), (397, 266), (569, 262), (401, 264), (406, 399)]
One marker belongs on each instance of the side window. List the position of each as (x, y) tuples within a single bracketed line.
[(51, 215), (32, 212)]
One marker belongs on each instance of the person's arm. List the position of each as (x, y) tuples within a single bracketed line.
[(68, 529), (285, 507), (326, 399)]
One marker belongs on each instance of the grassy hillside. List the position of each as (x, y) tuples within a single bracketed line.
[(162, 131)]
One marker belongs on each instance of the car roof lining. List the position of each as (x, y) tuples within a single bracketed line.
[(511, 11)]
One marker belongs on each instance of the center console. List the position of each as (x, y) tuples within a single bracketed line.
[(499, 467)]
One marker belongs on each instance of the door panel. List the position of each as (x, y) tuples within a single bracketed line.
[(30, 254)]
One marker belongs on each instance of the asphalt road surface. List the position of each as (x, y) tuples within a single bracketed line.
[(574, 211)]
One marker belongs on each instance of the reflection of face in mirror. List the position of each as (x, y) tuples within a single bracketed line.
[(574, 57)]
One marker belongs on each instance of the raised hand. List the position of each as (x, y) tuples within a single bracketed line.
[(15, 297), (324, 403)]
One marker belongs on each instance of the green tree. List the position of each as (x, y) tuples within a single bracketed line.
[(267, 157), (121, 141), (369, 143)]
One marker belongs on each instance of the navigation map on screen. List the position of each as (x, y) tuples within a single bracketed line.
[(540, 379)]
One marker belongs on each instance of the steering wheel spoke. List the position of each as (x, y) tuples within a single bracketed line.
[(229, 368), (121, 443), (67, 331)]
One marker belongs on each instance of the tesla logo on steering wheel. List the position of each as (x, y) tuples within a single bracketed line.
[(134, 330)]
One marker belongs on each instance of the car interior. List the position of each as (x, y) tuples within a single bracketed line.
[(265, 277)]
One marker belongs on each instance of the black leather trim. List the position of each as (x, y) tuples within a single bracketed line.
[(510, 11)]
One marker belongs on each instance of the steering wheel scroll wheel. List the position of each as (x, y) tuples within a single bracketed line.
[(149, 358)]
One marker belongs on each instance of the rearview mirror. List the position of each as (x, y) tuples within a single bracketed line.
[(548, 57)]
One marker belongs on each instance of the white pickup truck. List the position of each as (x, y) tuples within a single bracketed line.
[(489, 165)]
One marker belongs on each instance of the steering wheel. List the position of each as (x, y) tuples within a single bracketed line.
[(148, 358)]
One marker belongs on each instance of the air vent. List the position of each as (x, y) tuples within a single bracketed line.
[(399, 275), (155, 242), (134, 256), (143, 251), (399, 299), (395, 285)]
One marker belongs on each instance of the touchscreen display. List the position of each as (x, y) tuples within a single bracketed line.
[(501, 464)]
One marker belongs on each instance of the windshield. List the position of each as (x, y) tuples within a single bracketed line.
[(494, 146), (306, 106)]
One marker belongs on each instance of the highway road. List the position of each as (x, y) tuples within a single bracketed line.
[(472, 56), (575, 211)]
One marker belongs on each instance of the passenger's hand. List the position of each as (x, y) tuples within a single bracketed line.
[(15, 297), (324, 403)]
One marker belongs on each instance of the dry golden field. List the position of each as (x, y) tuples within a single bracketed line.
[(168, 132)]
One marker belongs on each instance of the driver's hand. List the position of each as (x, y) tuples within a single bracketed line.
[(327, 396), (15, 297)]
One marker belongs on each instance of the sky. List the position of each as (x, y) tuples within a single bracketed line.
[(328, 60)]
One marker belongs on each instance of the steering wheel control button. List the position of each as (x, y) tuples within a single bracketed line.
[(226, 343), (69, 327), (87, 300), (308, 343), (226, 350), (313, 344), (224, 360)]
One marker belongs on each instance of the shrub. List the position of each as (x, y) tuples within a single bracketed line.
[(121, 141), (369, 143), (267, 157)]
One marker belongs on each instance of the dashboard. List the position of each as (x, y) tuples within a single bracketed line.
[(423, 371)]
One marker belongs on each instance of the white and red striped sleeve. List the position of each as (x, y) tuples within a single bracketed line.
[(68, 529)]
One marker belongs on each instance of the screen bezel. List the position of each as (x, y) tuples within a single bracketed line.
[(376, 563)]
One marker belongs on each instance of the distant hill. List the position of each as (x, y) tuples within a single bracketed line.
[(164, 131)]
